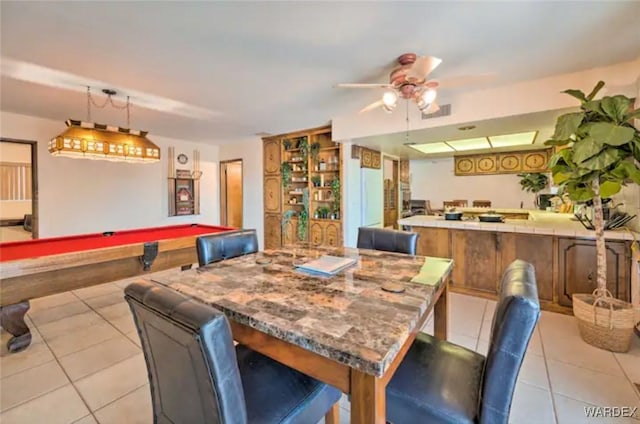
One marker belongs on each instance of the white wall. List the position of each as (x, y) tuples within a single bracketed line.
[(434, 180), (250, 152), (79, 196)]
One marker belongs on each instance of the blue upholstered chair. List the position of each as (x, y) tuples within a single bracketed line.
[(220, 246), (198, 376), (387, 240), (440, 382)]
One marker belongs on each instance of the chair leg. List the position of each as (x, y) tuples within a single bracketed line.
[(333, 416)]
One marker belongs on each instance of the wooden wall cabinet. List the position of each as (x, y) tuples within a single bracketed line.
[(502, 163), (324, 167), (563, 265)]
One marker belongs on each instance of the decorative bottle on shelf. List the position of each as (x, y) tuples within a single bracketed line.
[(323, 165)]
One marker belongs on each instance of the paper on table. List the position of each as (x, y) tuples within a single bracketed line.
[(327, 265), (432, 271)]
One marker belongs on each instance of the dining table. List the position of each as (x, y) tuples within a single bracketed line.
[(350, 330)]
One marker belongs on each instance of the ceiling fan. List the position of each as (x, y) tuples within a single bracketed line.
[(407, 81)]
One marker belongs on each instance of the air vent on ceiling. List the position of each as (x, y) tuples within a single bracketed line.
[(445, 110)]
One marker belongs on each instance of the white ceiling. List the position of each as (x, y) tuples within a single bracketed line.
[(272, 66)]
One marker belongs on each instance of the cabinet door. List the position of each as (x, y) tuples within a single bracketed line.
[(475, 260), (332, 235), (509, 162), (316, 234), (535, 249), (272, 194), (577, 269), (433, 242), (486, 164), (271, 150), (290, 232), (535, 161), (272, 232), (464, 166)]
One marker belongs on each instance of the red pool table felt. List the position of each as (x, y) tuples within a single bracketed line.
[(11, 251)]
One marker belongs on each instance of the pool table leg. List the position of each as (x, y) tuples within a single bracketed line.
[(12, 320)]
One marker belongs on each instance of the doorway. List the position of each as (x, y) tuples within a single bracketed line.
[(231, 193), (18, 189)]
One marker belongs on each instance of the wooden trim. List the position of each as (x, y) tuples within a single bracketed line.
[(299, 133), (35, 223), (223, 189), (441, 312), (307, 362)]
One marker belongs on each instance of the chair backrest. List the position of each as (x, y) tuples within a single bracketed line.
[(515, 318), (191, 359), (219, 246), (388, 240), (481, 203)]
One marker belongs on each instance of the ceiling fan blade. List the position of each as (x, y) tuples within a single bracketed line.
[(463, 80), (371, 106), (433, 108), (364, 85), (422, 67)]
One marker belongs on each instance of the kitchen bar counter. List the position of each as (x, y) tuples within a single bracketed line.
[(538, 223)]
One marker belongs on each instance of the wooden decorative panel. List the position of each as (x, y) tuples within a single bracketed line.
[(272, 156), (290, 232), (404, 171), (272, 232), (272, 194), (502, 163), (486, 164), (464, 166), (535, 161), (509, 162), (370, 158)]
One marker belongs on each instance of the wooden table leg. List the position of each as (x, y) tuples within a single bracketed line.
[(333, 416), (367, 399), (12, 320), (441, 314)]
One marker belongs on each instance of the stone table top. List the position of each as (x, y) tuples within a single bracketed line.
[(346, 317)]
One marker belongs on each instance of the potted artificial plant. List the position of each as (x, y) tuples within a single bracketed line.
[(534, 182), (602, 154)]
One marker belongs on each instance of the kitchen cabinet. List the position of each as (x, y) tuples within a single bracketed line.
[(502, 163), (534, 248), (577, 268), (272, 231), (271, 149), (325, 233), (272, 194), (535, 161), (433, 242), (486, 164), (475, 259)]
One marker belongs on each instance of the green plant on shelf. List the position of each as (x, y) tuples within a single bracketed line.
[(286, 143), (285, 169), (314, 151), (316, 180), (335, 191), (303, 145), (303, 216)]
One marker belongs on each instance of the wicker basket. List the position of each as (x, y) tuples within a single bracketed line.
[(604, 321)]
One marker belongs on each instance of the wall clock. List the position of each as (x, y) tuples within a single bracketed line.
[(182, 159)]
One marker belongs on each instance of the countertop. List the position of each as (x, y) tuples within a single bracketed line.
[(539, 222), (346, 317)]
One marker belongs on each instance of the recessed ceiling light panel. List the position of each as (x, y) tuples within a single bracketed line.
[(508, 140), (469, 144), (430, 148)]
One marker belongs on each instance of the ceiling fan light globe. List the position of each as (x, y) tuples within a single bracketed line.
[(388, 108), (422, 105), (389, 99), (428, 96)]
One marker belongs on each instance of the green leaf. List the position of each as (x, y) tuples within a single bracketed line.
[(616, 107), (577, 94), (586, 148), (552, 142), (609, 188), (603, 160), (611, 134), (632, 115), (595, 90), (561, 177), (567, 125), (626, 170), (579, 193), (592, 106)]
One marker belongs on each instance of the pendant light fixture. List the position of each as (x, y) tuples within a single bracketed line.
[(88, 140)]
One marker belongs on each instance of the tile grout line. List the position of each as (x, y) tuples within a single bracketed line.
[(546, 368)]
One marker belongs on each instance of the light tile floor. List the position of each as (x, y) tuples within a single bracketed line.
[(85, 365)]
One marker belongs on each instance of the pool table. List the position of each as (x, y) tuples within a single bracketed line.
[(41, 267)]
